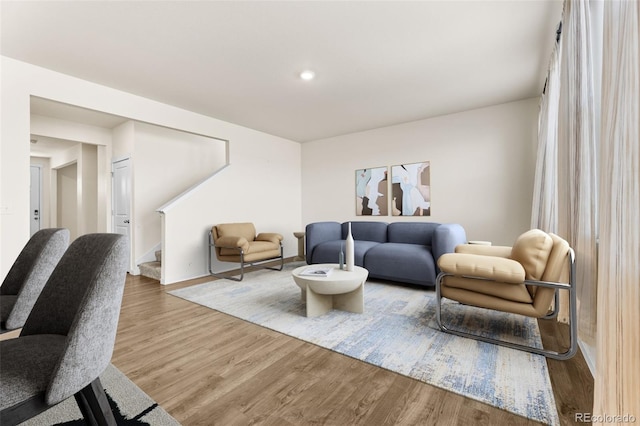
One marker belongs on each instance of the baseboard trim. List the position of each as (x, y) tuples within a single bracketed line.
[(589, 354), (232, 271)]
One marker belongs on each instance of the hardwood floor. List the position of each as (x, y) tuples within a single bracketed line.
[(208, 368)]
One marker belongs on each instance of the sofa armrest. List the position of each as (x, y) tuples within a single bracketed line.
[(318, 233), (445, 239), (478, 266)]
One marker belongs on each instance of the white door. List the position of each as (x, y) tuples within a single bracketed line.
[(121, 172), (35, 212)]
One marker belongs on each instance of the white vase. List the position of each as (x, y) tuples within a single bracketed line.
[(349, 251)]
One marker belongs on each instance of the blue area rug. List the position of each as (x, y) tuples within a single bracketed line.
[(398, 332)]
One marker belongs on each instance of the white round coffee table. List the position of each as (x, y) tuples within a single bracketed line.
[(343, 290)]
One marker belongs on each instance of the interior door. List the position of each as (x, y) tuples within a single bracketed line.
[(121, 172), (35, 210)]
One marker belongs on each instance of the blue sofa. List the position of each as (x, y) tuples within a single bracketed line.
[(400, 251)]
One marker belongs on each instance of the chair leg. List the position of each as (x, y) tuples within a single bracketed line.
[(217, 274), (573, 332), (93, 403), (273, 268), (281, 261)]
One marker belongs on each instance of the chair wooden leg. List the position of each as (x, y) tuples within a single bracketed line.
[(93, 403)]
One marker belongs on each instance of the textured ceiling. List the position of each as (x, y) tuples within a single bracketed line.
[(377, 63)]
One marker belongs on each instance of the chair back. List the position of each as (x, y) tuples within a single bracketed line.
[(82, 300), (246, 230), (532, 250), (30, 272), (557, 270)]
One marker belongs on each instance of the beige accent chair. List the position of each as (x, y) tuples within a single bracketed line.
[(238, 242), (523, 279)]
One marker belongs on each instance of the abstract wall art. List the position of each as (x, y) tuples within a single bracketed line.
[(372, 192), (411, 189)]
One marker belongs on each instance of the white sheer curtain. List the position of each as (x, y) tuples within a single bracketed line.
[(617, 384), (565, 190), (544, 214), (577, 186)]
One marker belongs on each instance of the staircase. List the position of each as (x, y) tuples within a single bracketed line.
[(152, 269)]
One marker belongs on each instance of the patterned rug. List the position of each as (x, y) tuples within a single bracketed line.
[(129, 404), (398, 332)]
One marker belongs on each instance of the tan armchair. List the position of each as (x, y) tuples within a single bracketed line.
[(238, 242), (523, 279)]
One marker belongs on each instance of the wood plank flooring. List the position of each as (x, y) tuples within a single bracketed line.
[(208, 368)]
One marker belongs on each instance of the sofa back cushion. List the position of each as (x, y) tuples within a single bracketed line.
[(420, 233), (366, 231)]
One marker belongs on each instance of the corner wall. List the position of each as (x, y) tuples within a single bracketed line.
[(482, 169)]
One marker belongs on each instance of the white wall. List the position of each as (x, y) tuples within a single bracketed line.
[(20, 80), (123, 137), (482, 169), (91, 153), (261, 185), (165, 163), (88, 190), (83, 160), (67, 194), (68, 130)]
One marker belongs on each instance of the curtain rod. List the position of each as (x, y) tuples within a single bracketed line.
[(558, 33)]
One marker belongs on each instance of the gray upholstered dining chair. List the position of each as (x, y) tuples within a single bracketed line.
[(28, 274), (68, 338)]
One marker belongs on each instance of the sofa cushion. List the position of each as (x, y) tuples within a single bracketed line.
[(506, 291), (329, 252), (410, 263), (411, 232), (366, 231), (489, 267)]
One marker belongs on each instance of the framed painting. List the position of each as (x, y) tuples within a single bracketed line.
[(411, 189), (372, 191)]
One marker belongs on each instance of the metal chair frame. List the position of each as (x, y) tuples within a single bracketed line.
[(242, 262), (573, 324)]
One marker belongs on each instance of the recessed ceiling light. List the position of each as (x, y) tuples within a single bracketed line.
[(307, 75)]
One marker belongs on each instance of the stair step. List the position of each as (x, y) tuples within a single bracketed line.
[(159, 255), (151, 270)]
